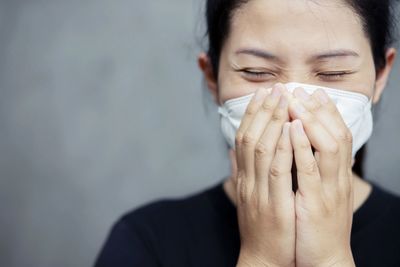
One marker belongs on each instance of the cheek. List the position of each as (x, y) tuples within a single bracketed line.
[(361, 82), (366, 80), (366, 83), (230, 85)]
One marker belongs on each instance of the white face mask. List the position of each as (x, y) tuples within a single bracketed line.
[(355, 109)]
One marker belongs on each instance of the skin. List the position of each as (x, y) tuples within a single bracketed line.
[(273, 42)]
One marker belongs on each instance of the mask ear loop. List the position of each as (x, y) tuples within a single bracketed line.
[(372, 107), (370, 102)]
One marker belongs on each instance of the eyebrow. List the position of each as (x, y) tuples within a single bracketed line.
[(258, 53), (340, 53), (335, 54)]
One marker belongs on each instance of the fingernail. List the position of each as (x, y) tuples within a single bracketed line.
[(285, 131), (300, 93), (299, 108), (299, 126), (260, 94), (276, 92), (283, 102), (322, 96)]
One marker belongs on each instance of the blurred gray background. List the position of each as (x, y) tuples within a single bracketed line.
[(102, 109)]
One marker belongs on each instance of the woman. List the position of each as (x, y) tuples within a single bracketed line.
[(268, 213)]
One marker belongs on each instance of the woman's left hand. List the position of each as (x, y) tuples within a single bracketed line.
[(324, 199)]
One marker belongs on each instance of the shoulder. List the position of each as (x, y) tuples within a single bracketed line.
[(389, 198), (170, 212), (383, 210), (149, 233), (376, 232)]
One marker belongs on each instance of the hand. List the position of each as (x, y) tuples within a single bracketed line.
[(324, 200), (265, 200)]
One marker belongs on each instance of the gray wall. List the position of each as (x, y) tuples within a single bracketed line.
[(101, 110)]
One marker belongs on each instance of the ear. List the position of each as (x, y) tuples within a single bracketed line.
[(383, 74), (205, 65)]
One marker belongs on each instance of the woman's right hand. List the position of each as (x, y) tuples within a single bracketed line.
[(264, 196)]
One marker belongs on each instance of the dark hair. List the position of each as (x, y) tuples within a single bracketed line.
[(377, 17)]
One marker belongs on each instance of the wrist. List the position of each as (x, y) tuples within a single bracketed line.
[(346, 261), (254, 261), (247, 261), (242, 263)]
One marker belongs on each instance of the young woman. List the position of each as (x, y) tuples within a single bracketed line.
[(293, 198)]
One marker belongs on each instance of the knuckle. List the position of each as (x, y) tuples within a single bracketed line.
[(276, 117), (281, 146), (239, 138), (250, 110), (310, 168), (333, 149), (248, 140), (345, 136), (262, 150), (315, 106), (240, 176), (267, 107), (304, 146), (275, 171), (242, 190)]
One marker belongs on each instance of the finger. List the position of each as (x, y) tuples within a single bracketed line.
[(338, 129), (280, 177), (326, 112), (245, 183), (308, 176), (267, 143), (255, 129), (325, 145), (251, 110)]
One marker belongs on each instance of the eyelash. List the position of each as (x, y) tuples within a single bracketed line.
[(327, 76), (333, 75), (255, 74)]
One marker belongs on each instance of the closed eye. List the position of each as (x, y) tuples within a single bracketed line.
[(334, 75), (256, 74)]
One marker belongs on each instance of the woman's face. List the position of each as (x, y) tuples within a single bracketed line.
[(314, 42)]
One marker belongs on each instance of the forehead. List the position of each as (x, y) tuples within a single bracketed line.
[(305, 24)]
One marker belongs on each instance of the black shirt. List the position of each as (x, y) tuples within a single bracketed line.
[(201, 229)]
